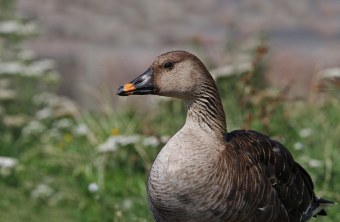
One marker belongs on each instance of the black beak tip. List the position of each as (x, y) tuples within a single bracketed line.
[(120, 91)]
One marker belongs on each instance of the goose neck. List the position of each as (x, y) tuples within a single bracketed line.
[(206, 110)]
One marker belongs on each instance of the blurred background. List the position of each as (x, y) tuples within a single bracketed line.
[(101, 44), (70, 150)]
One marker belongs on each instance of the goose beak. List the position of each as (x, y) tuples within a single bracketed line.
[(142, 85)]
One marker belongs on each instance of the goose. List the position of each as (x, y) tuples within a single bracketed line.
[(206, 174)]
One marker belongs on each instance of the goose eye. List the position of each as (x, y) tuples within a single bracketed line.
[(168, 65)]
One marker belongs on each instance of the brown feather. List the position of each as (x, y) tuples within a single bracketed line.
[(204, 174)]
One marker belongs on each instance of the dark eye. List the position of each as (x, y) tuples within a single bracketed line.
[(168, 65)]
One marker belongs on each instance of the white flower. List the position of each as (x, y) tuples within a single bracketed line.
[(127, 204), (305, 132), (165, 139), (7, 162), (330, 73), (111, 144), (93, 187), (314, 163), (7, 94), (42, 191), (151, 141), (11, 68), (229, 70), (298, 146), (127, 140), (8, 27), (81, 130), (44, 113), (16, 27), (63, 124), (39, 67), (34, 127), (119, 213)]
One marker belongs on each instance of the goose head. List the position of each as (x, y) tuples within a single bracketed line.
[(178, 74)]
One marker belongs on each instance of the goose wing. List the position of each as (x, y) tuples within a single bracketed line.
[(289, 181)]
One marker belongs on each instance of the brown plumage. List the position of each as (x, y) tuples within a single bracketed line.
[(206, 174)]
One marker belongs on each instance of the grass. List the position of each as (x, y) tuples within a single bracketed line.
[(62, 174), (68, 166)]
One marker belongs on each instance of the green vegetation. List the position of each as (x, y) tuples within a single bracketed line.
[(67, 165)]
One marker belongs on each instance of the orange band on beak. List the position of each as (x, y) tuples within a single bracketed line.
[(129, 87)]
